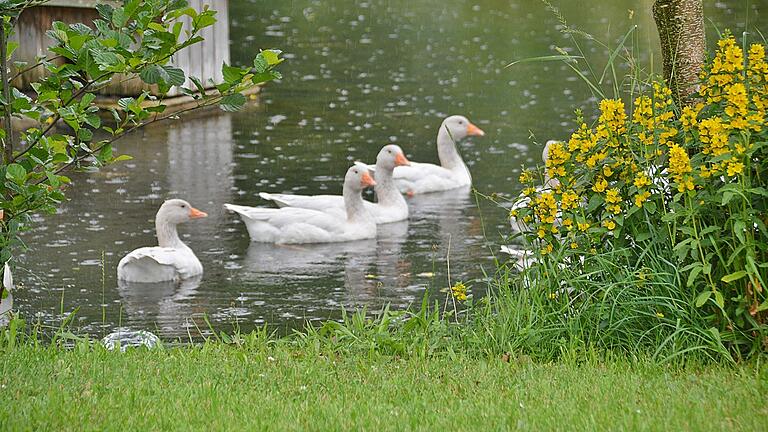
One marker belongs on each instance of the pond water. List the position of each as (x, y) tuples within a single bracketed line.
[(358, 75)]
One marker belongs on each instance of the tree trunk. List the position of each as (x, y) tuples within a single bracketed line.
[(683, 45)]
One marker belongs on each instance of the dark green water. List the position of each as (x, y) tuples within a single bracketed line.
[(359, 75)]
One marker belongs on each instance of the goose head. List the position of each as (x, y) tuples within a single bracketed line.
[(176, 211), (358, 178), (391, 156), (459, 127)]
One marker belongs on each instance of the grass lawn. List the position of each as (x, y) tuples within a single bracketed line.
[(221, 387)]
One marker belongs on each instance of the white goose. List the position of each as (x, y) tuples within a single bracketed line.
[(297, 225), (452, 173), (171, 259), (390, 206)]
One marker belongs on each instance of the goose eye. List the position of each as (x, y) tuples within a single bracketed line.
[(183, 206)]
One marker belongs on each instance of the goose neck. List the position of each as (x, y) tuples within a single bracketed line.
[(167, 235), (353, 202), (446, 150)]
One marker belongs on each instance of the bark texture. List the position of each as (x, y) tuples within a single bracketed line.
[(683, 44)]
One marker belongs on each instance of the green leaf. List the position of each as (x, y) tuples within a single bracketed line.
[(719, 299), (232, 102), (272, 56), (733, 276), (16, 173), (702, 298), (692, 275), (232, 74), (106, 153), (197, 83), (85, 134), (175, 75), (153, 74), (545, 59), (260, 63)]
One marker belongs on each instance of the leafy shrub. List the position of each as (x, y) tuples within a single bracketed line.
[(686, 186)]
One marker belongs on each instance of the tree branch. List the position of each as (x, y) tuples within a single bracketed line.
[(8, 142)]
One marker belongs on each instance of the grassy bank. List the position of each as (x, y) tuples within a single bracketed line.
[(282, 387)]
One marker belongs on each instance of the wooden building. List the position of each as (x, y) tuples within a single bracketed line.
[(202, 60)]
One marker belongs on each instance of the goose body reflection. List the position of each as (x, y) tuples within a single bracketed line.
[(167, 303)]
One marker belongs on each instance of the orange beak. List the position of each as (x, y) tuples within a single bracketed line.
[(473, 130), (401, 160), (196, 214), (367, 180)]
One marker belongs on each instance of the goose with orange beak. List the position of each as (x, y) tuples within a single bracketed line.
[(171, 259), (293, 225), (452, 173), (390, 206)]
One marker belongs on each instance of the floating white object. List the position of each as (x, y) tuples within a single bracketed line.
[(125, 337), (7, 303)]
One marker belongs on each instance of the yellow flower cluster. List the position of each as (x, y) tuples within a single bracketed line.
[(680, 167), (619, 161), (546, 207), (612, 124), (558, 155), (613, 201), (459, 291), (582, 142), (714, 135), (726, 67)]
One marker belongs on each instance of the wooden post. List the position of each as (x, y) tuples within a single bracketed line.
[(683, 45)]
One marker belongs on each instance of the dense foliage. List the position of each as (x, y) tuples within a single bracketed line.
[(679, 196)]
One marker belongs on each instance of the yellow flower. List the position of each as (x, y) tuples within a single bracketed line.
[(613, 118), (607, 171), (659, 315), (609, 224), (714, 135), (641, 198), (679, 167), (600, 185), (583, 226), (688, 118), (612, 196), (546, 249), (737, 100), (595, 158), (525, 177), (642, 180), (569, 200), (459, 291), (546, 207), (574, 245), (557, 156), (734, 167), (541, 233), (568, 223)]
